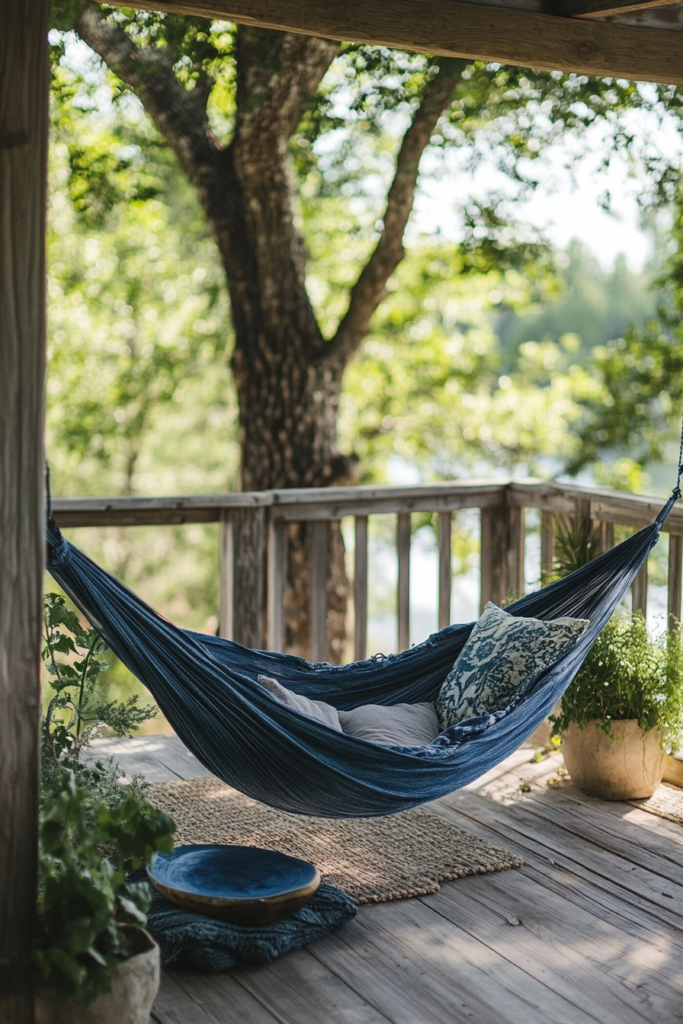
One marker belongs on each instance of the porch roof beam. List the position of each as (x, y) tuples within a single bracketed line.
[(607, 9), (474, 31)]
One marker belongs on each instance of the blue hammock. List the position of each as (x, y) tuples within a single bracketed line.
[(207, 688)]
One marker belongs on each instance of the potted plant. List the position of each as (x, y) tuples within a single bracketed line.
[(623, 711), (95, 962)]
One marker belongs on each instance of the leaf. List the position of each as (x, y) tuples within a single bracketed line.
[(132, 910)]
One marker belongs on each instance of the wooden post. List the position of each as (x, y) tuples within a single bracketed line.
[(501, 553), (515, 552), (445, 568), (227, 576), (493, 555), (277, 568), (403, 602), (639, 591), (547, 546), (320, 539), (249, 547), (606, 536), (360, 590), (23, 176), (675, 577)]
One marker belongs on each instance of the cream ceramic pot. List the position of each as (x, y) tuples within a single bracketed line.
[(134, 984), (627, 765)]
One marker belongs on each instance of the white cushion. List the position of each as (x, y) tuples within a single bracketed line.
[(313, 708), (399, 725)]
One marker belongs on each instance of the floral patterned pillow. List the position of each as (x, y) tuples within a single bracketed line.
[(504, 655)]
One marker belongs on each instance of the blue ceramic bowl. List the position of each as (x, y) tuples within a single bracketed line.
[(240, 884)]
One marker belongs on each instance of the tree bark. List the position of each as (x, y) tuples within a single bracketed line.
[(288, 377), (23, 175)]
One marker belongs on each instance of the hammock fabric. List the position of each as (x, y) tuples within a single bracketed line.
[(207, 688)]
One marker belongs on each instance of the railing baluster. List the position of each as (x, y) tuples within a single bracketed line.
[(445, 568), (493, 555), (360, 590), (277, 565), (403, 551), (249, 548), (675, 580), (606, 536), (319, 549), (547, 546), (515, 552), (639, 591), (226, 555)]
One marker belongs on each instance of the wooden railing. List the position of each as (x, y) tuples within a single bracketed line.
[(253, 543)]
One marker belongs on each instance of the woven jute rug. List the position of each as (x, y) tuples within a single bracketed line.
[(372, 859), (666, 801)]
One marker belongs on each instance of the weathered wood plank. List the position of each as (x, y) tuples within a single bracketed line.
[(556, 943), (547, 546), (403, 592), (607, 9), (23, 177), (607, 507), (188, 997), (639, 591), (300, 990), (158, 758), (547, 848), (565, 846), (493, 556), (415, 965), (360, 589), (277, 569), (515, 552), (445, 567), (320, 540), (449, 28), (173, 1005), (250, 557), (226, 569), (675, 580)]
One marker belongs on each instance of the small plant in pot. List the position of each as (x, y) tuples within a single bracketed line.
[(95, 962), (623, 711)]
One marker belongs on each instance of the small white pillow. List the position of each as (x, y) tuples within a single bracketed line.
[(313, 708), (399, 725)]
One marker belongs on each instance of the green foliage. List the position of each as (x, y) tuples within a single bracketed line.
[(93, 830), (628, 674), (138, 311), (88, 914), (577, 542), (428, 385), (71, 655)]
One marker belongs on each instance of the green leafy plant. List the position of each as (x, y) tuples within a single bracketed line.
[(93, 830), (577, 542), (73, 660), (89, 915), (628, 674)]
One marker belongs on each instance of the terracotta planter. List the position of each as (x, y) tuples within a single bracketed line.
[(134, 985), (626, 766)]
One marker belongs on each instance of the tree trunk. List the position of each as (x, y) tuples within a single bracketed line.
[(23, 176), (288, 377)]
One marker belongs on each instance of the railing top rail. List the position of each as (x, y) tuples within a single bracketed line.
[(334, 502)]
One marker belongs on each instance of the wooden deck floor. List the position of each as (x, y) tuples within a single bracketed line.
[(590, 929)]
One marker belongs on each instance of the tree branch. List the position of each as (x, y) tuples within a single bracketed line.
[(277, 76), (370, 288), (179, 114)]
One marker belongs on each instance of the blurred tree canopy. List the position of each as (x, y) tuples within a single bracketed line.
[(190, 155)]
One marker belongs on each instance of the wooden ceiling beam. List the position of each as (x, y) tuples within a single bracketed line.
[(450, 28), (606, 9)]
